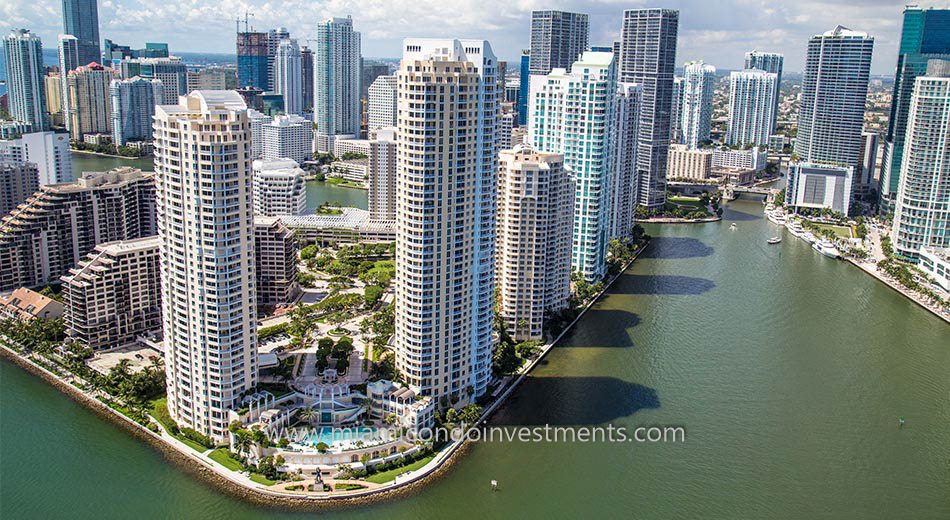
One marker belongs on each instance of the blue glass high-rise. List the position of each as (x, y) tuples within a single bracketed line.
[(523, 91)]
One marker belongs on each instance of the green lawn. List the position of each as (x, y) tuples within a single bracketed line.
[(386, 476), (841, 231), (261, 479), (223, 457), (688, 203)]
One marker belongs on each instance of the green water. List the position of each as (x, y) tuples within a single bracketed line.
[(787, 369), (317, 192)]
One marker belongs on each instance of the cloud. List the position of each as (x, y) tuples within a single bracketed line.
[(718, 31)]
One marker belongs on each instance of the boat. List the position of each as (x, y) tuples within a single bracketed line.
[(733, 226), (810, 238), (827, 248), (774, 240)]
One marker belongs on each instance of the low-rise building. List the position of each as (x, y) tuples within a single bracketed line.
[(739, 176), (935, 262), (342, 147), (411, 410), (354, 170), (112, 296), (817, 186), (351, 226), (26, 305), (750, 159), (688, 164)]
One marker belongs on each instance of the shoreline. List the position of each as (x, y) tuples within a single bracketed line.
[(673, 220), (222, 480), (871, 269), (112, 156)]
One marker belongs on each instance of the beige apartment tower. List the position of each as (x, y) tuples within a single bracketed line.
[(535, 221)]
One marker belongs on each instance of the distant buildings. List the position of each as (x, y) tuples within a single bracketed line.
[(257, 120), (26, 92), (18, 182), (381, 178), (114, 52), (208, 78), (287, 137), (864, 183), (336, 81), (445, 218), (696, 116), (535, 223), (752, 107), (133, 105), (50, 232), (572, 113), (306, 75), (256, 56), (112, 296), (647, 57), (288, 76), (171, 71), (748, 159), (923, 37), (47, 150), (922, 210), (90, 103), (771, 62), (557, 40), (81, 19), (382, 103), (507, 118), (279, 188), (275, 266), (208, 288)]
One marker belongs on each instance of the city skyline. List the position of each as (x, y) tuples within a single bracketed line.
[(706, 31)]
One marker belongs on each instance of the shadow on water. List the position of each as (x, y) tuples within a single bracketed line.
[(676, 247), (664, 284), (602, 328), (729, 215), (574, 401)]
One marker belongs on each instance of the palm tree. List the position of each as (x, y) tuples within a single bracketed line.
[(307, 414), (242, 441)]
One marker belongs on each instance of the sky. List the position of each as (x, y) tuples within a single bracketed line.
[(717, 31)]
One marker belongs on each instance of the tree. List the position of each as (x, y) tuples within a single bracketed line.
[(505, 360), (307, 415)]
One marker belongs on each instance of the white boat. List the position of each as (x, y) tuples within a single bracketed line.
[(733, 226), (827, 248), (774, 240), (808, 237)]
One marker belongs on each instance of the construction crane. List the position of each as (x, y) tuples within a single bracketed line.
[(237, 22)]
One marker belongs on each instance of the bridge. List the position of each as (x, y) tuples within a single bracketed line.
[(731, 191)]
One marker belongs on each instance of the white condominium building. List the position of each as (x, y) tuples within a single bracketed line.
[(445, 216), (112, 296), (258, 120), (26, 92), (68, 60), (771, 62), (381, 174), (624, 189), (382, 103), (572, 113), (752, 107), (535, 222), (133, 105), (206, 228), (287, 137), (751, 159), (696, 115), (47, 150), (922, 214), (279, 188), (288, 76), (336, 81)]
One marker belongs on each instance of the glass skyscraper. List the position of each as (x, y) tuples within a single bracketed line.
[(925, 36), (557, 39), (81, 19)]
